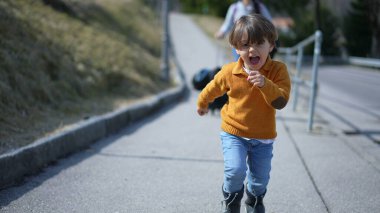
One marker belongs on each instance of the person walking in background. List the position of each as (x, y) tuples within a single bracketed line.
[(237, 10), (256, 86)]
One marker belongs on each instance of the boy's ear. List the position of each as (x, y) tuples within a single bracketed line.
[(271, 47)]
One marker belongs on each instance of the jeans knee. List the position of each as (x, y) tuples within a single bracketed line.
[(258, 186), (236, 174)]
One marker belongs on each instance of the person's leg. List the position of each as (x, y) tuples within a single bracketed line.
[(235, 158), (259, 166), (235, 55), (234, 154)]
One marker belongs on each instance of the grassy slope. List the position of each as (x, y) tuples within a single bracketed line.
[(59, 66)]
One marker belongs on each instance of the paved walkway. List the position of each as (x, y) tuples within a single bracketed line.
[(171, 162)]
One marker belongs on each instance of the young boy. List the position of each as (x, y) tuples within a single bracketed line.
[(256, 86)]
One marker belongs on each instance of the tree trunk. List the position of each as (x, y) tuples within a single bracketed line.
[(374, 15), (375, 49)]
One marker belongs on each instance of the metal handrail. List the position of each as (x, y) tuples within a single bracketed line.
[(301, 44), (316, 38)]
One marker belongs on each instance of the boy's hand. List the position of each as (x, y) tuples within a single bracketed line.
[(256, 78), (202, 112), (219, 35)]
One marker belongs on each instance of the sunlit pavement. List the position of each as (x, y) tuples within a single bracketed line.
[(172, 162)]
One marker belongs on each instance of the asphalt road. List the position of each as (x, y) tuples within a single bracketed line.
[(352, 95), (354, 84)]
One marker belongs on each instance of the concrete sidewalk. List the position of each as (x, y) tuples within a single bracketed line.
[(172, 162)]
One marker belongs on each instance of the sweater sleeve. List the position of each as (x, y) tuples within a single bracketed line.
[(277, 89), (215, 88)]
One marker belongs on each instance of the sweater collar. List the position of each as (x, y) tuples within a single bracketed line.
[(238, 68)]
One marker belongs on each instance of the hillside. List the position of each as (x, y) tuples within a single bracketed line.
[(66, 60)]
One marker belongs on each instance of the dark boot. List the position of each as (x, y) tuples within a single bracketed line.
[(254, 204), (231, 202)]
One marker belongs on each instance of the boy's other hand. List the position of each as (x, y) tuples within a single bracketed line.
[(219, 35), (202, 112), (256, 78)]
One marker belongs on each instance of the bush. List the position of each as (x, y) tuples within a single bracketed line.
[(357, 29), (305, 26)]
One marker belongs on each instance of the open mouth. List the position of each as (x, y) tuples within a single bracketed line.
[(254, 60)]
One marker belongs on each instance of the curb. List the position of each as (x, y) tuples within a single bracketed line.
[(14, 166)]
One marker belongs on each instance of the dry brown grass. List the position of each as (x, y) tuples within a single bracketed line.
[(57, 67), (210, 25)]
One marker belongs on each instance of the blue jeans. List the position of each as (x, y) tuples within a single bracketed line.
[(238, 153), (235, 55)]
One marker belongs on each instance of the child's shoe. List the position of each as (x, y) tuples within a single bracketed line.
[(231, 202), (254, 204)]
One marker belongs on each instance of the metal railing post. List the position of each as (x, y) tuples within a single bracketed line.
[(316, 38), (288, 56), (314, 86), (297, 76)]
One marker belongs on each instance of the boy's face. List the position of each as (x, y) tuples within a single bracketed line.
[(254, 55)]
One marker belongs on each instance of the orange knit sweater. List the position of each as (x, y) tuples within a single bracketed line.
[(250, 111)]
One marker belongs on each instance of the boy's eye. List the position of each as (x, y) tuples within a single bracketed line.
[(261, 44), (245, 45)]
